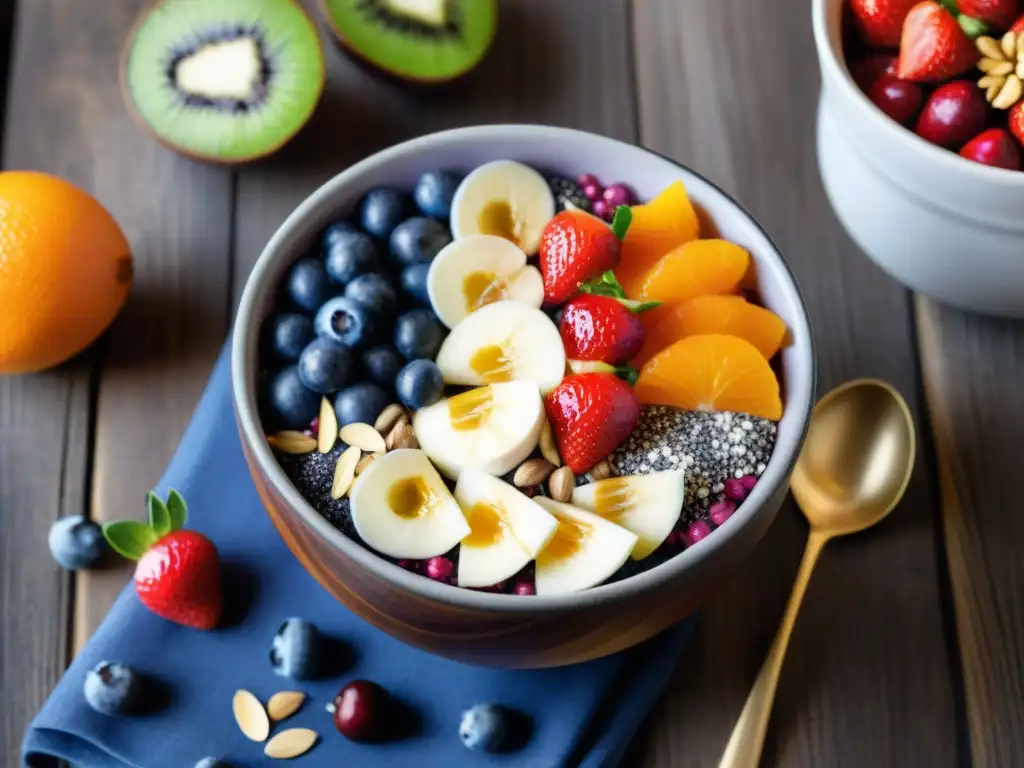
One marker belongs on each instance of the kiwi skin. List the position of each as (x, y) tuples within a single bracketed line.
[(129, 102), (401, 78)]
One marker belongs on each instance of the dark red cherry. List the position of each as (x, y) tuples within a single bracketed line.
[(361, 711)]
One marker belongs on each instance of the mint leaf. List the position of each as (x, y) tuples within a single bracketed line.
[(971, 26), (605, 285), (178, 509), (129, 538), (159, 516), (623, 218)]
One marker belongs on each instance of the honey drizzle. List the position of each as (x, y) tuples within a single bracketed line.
[(492, 364), (567, 541), (470, 410), (497, 218), (612, 498), (411, 497), (483, 288), (489, 524)]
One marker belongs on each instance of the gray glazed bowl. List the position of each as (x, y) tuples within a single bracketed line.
[(497, 629)]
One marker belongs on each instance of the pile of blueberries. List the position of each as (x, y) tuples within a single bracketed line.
[(342, 328)]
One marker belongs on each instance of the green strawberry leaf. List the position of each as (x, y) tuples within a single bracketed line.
[(971, 26), (159, 516), (628, 372), (950, 5), (623, 218), (605, 285), (178, 509), (640, 306), (129, 538)]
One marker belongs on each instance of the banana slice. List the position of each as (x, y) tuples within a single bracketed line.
[(585, 550), (491, 428), (478, 270), (402, 508), (503, 198), (647, 505), (504, 341), (508, 529)]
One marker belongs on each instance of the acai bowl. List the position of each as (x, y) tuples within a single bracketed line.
[(591, 418)]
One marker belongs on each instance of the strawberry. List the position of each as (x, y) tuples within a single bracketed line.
[(998, 14), (933, 46), (1015, 118), (600, 328), (178, 572), (576, 247), (1018, 26), (881, 21), (591, 414)]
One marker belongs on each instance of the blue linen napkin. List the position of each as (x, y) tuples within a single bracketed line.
[(583, 715)]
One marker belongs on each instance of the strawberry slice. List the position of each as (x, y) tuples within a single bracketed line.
[(576, 247), (881, 21), (933, 46)]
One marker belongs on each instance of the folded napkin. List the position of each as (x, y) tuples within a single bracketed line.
[(583, 715)]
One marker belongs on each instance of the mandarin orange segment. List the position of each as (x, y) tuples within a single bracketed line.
[(711, 372), (730, 315), (697, 268), (658, 226)]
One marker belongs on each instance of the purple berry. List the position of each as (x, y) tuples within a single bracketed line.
[(735, 490), (593, 192), (525, 588), (721, 511), (698, 531), (749, 481), (619, 194), (602, 209), (585, 179), (440, 569)]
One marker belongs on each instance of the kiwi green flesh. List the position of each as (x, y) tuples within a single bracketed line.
[(228, 80), (410, 48)]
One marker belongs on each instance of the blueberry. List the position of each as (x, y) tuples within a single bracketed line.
[(375, 293), (211, 762), (414, 282), (417, 240), (292, 402), (381, 210), (309, 285), (360, 403), (289, 335), (382, 364), (112, 688), (76, 543), (419, 384), (347, 322), (349, 255), (297, 650), (418, 334), (325, 366), (484, 726), (434, 192), (336, 231)]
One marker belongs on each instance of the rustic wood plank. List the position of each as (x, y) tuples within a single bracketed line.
[(972, 367), (866, 680)]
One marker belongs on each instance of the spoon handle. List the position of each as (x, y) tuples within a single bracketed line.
[(747, 740)]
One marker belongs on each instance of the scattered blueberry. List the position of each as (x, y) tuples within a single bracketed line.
[(418, 334), (361, 711), (349, 255), (375, 293), (382, 210), (335, 231), (414, 282), (211, 762), (361, 402), (112, 688), (297, 650), (484, 726), (347, 322), (418, 240), (292, 402), (419, 384), (383, 364), (309, 285), (434, 191), (76, 543), (325, 366), (289, 335)]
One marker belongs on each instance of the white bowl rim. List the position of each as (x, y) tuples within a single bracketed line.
[(243, 363), (833, 65)]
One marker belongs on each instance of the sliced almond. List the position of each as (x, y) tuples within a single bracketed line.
[(291, 441), (532, 472), (1009, 94), (561, 483), (284, 704), (366, 461), (404, 435), (548, 449), (291, 743), (249, 714), (601, 471), (1009, 45), (345, 471), (989, 48), (363, 436), (328, 432), (993, 67), (388, 417)]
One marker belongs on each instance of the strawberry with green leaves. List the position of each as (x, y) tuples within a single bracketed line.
[(177, 575), (576, 247), (933, 46)]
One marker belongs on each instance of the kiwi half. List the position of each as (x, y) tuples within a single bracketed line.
[(224, 80), (422, 41)]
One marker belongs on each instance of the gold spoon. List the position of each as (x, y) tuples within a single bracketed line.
[(854, 468)]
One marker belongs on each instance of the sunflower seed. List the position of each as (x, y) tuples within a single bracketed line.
[(284, 704), (548, 449), (532, 472), (291, 743), (561, 483), (249, 714), (345, 472), (291, 441), (388, 417), (327, 435), (363, 436)]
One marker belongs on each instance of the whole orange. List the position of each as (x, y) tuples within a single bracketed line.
[(65, 270)]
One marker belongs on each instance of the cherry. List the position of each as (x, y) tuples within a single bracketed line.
[(954, 113), (735, 490), (899, 99), (865, 71), (721, 511), (360, 710), (440, 569), (993, 147)]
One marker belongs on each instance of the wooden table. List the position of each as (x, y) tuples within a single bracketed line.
[(910, 647)]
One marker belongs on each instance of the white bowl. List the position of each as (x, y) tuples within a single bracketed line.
[(942, 225)]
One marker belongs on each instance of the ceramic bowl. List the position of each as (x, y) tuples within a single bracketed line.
[(496, 629), (940, 224)]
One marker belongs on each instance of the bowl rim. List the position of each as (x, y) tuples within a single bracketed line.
[(835, 70), (244, 349)]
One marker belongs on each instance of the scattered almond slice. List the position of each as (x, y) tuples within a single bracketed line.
[(327, 435), (363, 436), (364, 462), (548, 449), (284, 704), (388, 417), (291, 743), (292, 441), (249, 714), (345, 471)]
